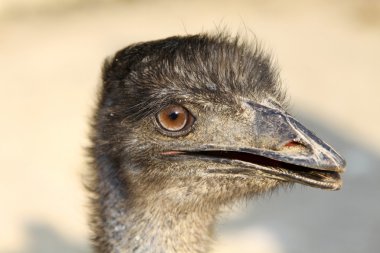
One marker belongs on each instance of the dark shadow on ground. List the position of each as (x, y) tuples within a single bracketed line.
[(42, 238), (313, 220)]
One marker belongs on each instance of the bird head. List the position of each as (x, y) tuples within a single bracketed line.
[(204, 117)]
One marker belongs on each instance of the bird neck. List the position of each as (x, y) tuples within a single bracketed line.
[(138, 221)]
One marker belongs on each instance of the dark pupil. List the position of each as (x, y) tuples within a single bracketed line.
[(173, 115)]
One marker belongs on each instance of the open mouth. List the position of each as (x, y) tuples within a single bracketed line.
[(328, 178)]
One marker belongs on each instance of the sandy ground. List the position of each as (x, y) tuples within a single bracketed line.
[(50, 62)]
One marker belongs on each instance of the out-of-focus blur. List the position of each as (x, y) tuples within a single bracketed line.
[(51, 54)]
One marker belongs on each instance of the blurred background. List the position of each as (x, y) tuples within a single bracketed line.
[(51, 54)]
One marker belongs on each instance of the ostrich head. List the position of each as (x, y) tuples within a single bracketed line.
[(188, 124)]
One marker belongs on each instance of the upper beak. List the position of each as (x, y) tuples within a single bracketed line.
[(285, 139)]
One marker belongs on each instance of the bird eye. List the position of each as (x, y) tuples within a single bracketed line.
[(175, 119)]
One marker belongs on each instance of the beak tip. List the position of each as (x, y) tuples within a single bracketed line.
[(337, 187), (339, 162)]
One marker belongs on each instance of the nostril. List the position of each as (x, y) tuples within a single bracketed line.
[(294, 146)]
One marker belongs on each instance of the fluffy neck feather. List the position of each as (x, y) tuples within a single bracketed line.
[(137, 220)]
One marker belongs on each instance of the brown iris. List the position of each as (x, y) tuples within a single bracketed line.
[(175, 118)]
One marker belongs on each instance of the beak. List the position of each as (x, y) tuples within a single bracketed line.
[(286, 140), (282, 148), (292, 151)]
